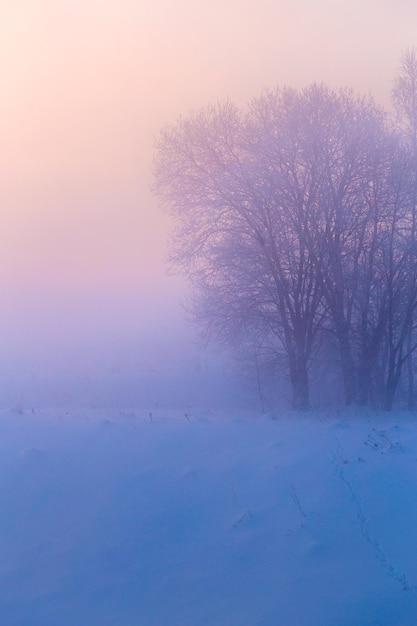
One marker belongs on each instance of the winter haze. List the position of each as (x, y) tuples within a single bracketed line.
[(141, 483), (86, 88)]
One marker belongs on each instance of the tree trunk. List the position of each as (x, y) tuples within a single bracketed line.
[(393, 378), (410, 375), (389, 395), (348, 370), (300, 386), (364, 381)]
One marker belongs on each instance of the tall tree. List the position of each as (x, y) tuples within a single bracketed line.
[(293, 220), (404, 95), (240, 237)]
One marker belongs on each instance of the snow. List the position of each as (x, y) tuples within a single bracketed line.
[(207, 516)]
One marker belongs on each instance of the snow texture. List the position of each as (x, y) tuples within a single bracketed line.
[(207, 517)]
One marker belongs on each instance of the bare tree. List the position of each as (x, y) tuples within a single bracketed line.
[(240, 238), (404, 96), (354, 131), (394, 281), (328, 152), (293, 220)]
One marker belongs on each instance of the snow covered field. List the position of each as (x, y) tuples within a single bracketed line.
[(189, 517)]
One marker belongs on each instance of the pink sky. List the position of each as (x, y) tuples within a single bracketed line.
[(86, 86)]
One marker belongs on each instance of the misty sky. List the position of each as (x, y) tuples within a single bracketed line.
[(86, 86)]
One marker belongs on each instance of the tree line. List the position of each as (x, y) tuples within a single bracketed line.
[(295, 223)]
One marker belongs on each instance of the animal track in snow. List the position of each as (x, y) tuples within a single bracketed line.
[(364, 525)]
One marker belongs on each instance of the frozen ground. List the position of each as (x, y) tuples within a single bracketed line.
[(192, 517)]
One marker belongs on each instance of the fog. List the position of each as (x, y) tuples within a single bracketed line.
[(86, 87)]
